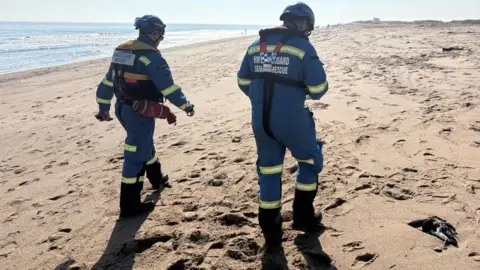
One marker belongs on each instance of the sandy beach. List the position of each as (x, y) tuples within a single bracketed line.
[(401, 123)]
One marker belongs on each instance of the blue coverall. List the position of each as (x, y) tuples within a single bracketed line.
[(147, 73), (291, 123)]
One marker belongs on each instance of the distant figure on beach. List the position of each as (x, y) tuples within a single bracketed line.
[(277, 73), (140, 79)]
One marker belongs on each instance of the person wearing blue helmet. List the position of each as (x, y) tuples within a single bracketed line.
[(141, 81), (278, 72)]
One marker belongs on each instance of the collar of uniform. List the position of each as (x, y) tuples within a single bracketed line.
[(145, 40)]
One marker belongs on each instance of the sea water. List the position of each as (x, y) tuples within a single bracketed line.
[(29, 45)]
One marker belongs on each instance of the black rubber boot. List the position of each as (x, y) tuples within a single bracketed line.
[(156, 177), (270, 221), (273, 256), (304, 217), (142, 208)]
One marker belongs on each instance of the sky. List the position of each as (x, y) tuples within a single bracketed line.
[(261, 12)]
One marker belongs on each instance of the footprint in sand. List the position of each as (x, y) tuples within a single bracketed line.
[(231, 219), (58, 197), (349, 103), (7, 248), (399, 144), (474, 256), (362, 139), (243, 248), (364, 260), (392, 191), (11, 218), (475, 127), (361, 118), (445, 131), (18, 202), (353, 246)]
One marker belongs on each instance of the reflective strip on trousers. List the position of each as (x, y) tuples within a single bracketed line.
[(271, 169), (270, 205), (151, 161), (306, 187), (103, 101), (317, 89), (308, 161), (132, 180), (130, 148)]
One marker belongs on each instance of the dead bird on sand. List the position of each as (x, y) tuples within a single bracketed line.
[(438, 227)]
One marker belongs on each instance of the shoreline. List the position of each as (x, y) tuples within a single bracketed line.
[(47, 69)]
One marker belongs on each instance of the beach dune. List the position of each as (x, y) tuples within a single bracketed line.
[(401, 129)]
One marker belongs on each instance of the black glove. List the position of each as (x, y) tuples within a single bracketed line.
[(103, 116), (190, 110)]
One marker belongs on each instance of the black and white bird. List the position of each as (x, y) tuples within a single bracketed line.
[(438, 227)]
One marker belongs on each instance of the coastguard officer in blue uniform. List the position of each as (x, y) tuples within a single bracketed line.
[(278, 72), (138, 72)]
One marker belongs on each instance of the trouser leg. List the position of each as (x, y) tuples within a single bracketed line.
[(269, 169)]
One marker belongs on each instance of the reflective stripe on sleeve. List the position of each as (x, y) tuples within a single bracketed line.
[(107, 82), (169, 90), (130, 148), (243, 82), (317, 89)]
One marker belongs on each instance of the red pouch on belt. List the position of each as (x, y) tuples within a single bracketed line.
[(151, 109)]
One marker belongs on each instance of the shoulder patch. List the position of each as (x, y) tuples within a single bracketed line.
[(123, 58), (144, 60)]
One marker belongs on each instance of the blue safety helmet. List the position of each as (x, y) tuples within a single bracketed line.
[(299, 10), (149, 23)]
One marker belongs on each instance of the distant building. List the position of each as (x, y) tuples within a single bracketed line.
[(376, 20)]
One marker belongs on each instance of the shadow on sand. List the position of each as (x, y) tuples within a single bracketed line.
[(122, 245), (311, 249)]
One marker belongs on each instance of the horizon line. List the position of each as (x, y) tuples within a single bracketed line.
[(242, 24), (196, 23)]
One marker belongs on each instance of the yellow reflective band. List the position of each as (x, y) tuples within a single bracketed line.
[(270, 205), (318, 88), (130, 148), (184, 106), (103, 101), (169, 90), (306, 187), (128, 75), (285, 49), (309, 161), (132, 180), (144, 60), (272, 169), (243, 82), (107, 82), (151, 161)]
